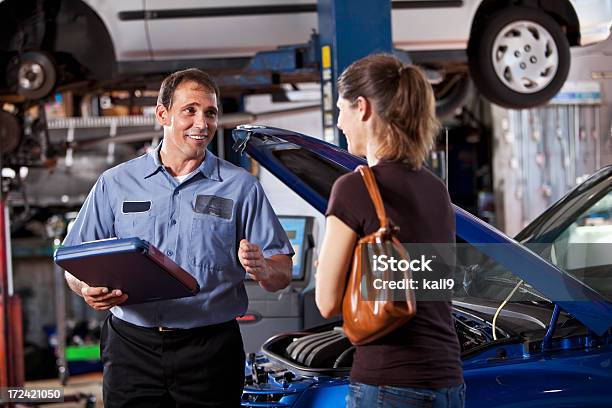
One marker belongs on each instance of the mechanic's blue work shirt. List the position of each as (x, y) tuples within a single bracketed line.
[(198, 223)]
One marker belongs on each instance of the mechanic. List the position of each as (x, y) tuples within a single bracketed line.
[(210, 217)]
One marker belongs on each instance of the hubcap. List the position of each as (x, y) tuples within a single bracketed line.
[(31, 76), (525, 57)]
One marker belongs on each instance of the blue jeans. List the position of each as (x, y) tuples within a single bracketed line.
[(371, 396)]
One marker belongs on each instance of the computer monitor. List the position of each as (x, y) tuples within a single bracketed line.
[(298, 229)]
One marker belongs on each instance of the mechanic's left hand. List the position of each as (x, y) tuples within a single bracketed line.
[(252, 260)]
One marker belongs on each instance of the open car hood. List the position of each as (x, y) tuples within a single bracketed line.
[(310, 166)]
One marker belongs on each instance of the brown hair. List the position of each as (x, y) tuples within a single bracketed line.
[(172, 81), (403, 99)]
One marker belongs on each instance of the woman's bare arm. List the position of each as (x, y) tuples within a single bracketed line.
[(334, 260)]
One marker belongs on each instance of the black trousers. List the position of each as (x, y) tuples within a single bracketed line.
[(201, 367)]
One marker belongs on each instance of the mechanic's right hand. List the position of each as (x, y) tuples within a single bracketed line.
[(101, 298)]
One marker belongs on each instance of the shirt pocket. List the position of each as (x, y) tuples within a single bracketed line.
[(138, 225), (212, 241)]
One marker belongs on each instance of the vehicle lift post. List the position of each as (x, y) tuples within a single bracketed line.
[(345, 29)]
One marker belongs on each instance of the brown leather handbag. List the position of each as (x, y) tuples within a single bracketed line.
[(371, 313)]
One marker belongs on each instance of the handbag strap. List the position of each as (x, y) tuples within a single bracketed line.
[(370, 182)]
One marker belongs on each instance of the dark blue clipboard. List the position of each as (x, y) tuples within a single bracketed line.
[(132, 265)]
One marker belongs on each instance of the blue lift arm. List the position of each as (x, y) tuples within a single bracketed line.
[(348, 30)]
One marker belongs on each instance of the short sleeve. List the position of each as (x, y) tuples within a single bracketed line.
[(342, 201), (95, 219), (261, 225)]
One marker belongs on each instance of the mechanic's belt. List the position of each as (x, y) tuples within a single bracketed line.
[(166, 329), (162, 329)]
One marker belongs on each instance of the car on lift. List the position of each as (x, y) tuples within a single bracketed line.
[(518, 51), (537, 352)]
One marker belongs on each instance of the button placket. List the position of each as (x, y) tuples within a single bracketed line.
[(173, 215)]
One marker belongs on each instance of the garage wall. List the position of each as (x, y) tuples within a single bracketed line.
[(540, 154)]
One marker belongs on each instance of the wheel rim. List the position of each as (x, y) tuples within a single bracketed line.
[(525, 57), (31, 76)]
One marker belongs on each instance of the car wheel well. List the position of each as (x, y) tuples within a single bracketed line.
[(85, 37), (561, 10), (70, 30)]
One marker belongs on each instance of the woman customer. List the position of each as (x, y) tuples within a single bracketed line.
[(387, 112)]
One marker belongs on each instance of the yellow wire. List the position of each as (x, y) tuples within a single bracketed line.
[(499, 309)]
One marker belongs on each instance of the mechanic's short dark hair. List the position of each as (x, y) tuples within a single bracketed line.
[(172, 81)]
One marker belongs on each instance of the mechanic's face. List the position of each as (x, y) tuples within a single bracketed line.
[(191, 122), (349, 122)]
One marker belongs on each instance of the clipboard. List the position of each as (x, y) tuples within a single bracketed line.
[(130, 264)]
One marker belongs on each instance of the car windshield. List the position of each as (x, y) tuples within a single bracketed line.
[(582, 248)]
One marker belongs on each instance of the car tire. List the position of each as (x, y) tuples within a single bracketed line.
[(451, 94), (36, 74), (519, 57)]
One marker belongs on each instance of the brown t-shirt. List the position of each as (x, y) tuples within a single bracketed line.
[(424, 353)]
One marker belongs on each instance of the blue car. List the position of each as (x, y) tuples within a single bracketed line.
[(549, 346)]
